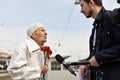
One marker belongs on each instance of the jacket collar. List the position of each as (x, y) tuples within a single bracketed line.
[(32, 45), (100, 16)]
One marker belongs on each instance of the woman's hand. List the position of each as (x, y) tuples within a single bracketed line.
[(44, 68)]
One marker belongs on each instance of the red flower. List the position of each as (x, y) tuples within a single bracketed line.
[(47, 51)]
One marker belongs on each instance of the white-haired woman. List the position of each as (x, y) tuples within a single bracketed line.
[(27, 61)]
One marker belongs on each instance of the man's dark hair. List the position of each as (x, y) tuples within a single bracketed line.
[(97, 2)]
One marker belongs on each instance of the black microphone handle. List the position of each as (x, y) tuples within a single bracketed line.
[(80, 63)]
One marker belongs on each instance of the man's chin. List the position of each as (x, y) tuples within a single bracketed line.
[(88, 16)]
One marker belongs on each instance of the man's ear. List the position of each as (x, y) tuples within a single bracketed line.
[(91, 2)]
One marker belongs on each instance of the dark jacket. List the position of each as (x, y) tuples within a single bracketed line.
[(107, 46), (116, 15)]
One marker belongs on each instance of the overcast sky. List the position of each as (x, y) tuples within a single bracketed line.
[(68, 29)]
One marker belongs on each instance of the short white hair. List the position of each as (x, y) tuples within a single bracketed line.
[(33, 27)]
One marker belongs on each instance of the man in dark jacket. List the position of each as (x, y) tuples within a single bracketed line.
[(104, 55)]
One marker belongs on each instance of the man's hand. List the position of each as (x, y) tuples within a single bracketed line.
[(93, 62), (84, 69)]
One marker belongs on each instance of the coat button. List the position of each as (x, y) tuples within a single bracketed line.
[(98, 40), (102, 73), (108, 33)]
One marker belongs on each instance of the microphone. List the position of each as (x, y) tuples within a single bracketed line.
[(60, 59), (79, 63)]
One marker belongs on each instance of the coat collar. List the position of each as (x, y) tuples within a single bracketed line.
[(100, 16), (32, 45)]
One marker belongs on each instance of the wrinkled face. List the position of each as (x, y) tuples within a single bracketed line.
[(86, 8), (40, 35)]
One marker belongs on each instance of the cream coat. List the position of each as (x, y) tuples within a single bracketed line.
[(25, 61)]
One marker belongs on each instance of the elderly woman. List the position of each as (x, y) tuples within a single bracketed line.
[(27, 61)]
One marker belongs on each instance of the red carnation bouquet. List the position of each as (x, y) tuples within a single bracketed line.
[(47, 52)]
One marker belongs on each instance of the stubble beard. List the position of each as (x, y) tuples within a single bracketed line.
[(89, 14)]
